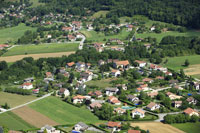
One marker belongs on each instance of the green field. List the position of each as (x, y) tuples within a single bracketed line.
[(177, 62), (100, 83), (42, 48), (36, 3), (99, 14), (14, 100), (13, 122), (188, 127), (99, 37), (13, 33), (169, 33), (62, 112)]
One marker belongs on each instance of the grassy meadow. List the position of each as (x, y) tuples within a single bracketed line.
[(100, 83), (63, 112), (12, 34), (13, 122), (188, 127), (99, 14), (42, 48), (14, 100)]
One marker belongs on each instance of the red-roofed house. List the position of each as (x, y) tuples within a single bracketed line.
[(115, 73), (123, 64), (115, 126), (70, 29), (139, 112), (27, 86), (114, 100), (141, 63), (70, 64), (78, 99), (190, 112)]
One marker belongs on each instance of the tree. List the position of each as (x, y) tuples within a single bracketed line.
[(3, 65), (194, 118), (187, 63), (167, 102)]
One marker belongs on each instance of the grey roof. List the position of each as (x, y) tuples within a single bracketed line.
[(1, 129), (83, 125), (130, 96), (111, 89)]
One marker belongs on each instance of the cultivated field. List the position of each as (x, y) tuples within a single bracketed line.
[(35, 56), (99, 37), (13, 33), (33, 117), (157, 127), (62, 112), (14, 100), (177, 62), (188, 127), (42, 48), (13, 122), (193, 70)]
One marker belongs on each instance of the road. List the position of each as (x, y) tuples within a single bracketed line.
[(45, 96), (82, 43)]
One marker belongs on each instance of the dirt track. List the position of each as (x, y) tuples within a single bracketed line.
[(35, 56), (157, 127), (33, 117)]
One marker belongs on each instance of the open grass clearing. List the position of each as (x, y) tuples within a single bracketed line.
[(176, 63), (12, 34), (188, 127), (13, 122), (103, 83), (33, 117), (35, 56), (14, 100), (99, 37), (99, 14), (156, 127), (42, 48), (62, 112)]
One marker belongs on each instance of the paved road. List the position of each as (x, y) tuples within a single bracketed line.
[(47, 95), (82, 43)]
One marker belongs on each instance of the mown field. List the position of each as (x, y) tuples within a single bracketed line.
[(62, 112), (100, 83), (177, 62), (99, 37), (13, 122), (42, 48), (188, 127), (99, 14), (14, 100), (13, 33)]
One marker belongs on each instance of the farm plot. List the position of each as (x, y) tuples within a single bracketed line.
[(193, 70), (63, 112), (157, 127), (33, 117)]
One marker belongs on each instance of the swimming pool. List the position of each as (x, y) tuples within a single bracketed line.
[(127, 107)]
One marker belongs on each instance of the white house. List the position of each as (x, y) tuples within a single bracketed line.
[(27, 86), (64, 91), (111, 91), (78, 99), (139, 112), (81, 127), (190, 112), (115, 73), (49, 129), (114, 100), (153, 106), (141, 63)]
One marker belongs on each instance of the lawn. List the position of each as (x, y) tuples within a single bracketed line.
[(13, 122), (14, 100), (42, 48), (99, 37), (169, 33), (188, 127), (36, 3), (63, 112), (99, 14), (177, 62), (13, 33), (100, 83)]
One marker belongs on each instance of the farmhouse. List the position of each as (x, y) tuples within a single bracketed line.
[(139, 112), (111, 91), (153, 106), (27, 86), (190, 112)]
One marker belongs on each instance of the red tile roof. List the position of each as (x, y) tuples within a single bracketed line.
[(189, 111), (114, 124), (125, 62), (70, 64), (134, 131), (26, 84)]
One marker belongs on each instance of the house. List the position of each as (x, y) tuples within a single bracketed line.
[(178, 87), (129, 27), (95, 105), (27, 86), (96, 45), (121, 64), (49, 36), (70, 65), (149, 80), (115, 126), (111, 91), (119, 111), (49, 129), (78, 99), (69, 29), (86, 76), (81, 127), (143, 87), (132, 98), (115, 73), (96, 93), (191, 100), (49, 75), (71, 38), (177, 104), (29, 80), (82, 66), (160, 78), (173, 96), (168, 73), (123, 86), (141, 63), (190, 112), (139, 112), (2, 46), (173, 82), (153, 94), (99, 49), (114, 100), (101, 62), (196, 86), (147, 45), (152, 28), (134, 131), (64, 91), (153, 106), (36, 91)]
